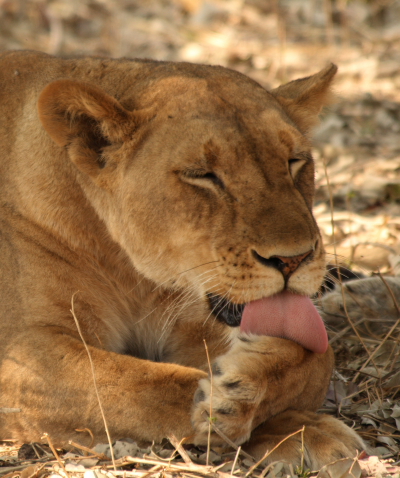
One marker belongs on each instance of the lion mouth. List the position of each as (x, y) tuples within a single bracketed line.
[(225, 311), (285, 315)]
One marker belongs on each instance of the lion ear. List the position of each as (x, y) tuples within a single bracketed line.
[(84, 119), (303, 99)]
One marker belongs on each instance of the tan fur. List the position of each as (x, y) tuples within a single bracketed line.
[(101, 197)]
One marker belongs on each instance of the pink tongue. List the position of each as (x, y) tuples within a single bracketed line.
[(288, 316)]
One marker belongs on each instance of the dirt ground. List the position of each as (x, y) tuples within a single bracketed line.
[(357, 145)]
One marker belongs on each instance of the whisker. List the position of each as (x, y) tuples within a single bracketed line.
[(183, 272), (221, 299), (184, 300), (169, 316), (175, 313)]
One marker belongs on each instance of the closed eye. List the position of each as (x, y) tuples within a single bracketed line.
[(201, 178), (295, 164)]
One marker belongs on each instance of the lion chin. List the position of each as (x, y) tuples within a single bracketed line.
[(164, 206)]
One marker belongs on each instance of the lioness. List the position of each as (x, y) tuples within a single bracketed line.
[(168, 205)]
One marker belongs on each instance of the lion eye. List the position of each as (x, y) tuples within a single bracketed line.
[(200, 177), (214, 178), (295, 164)]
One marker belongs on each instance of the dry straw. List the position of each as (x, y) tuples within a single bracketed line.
[(94, 379)]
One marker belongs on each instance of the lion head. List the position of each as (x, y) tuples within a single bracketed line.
[(202, 176)]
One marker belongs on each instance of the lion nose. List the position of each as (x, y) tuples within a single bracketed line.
[(286, 265)]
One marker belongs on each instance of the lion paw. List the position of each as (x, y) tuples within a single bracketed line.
[(258, 378), (233, 396), (323, 440), (247, 387)]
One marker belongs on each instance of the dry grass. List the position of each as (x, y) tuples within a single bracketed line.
[(94, 381)]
